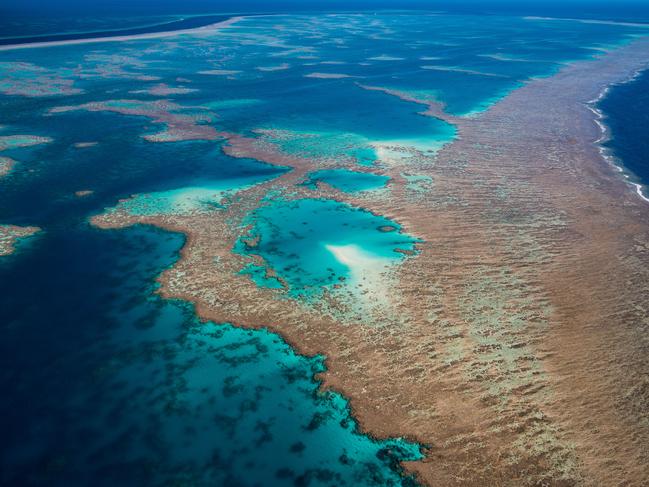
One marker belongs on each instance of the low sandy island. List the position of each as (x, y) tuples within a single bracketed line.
[(206, 30)]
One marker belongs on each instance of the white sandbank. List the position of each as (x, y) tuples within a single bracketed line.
[(207, 29)]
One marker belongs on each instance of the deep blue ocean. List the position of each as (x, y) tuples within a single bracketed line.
[(105, 383), (626, 111)]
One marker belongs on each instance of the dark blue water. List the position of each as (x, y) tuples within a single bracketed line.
[(626, 108)]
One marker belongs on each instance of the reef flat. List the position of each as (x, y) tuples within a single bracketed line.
[(6, 165), (11, 234), (481, 350), (11, 142), (432, 216)]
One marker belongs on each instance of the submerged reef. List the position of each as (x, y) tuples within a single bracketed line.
[(181, 123), (346, 180), (25, 79), (11, 234), (12, 142)]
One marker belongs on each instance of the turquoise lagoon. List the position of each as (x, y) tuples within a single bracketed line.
[(313, 244), (107, 383)]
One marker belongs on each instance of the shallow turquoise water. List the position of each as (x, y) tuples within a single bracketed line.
[(299, 240), (346, 180)]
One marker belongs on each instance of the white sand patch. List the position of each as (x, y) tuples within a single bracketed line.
[(385, 57), (394, 152), (368, 282), (389, 154), (220, 72)]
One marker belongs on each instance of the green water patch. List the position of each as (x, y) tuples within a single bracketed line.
[(315, 244), (346, 180)]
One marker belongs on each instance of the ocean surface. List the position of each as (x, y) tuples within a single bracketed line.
[(626, 115), (106, 383)]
